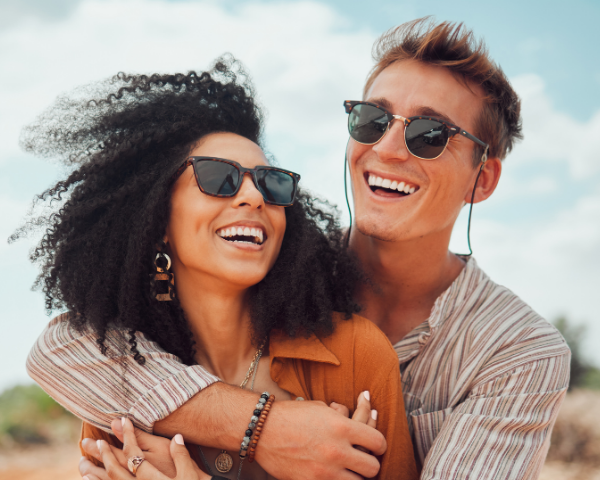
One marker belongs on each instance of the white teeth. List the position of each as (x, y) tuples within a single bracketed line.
[(375, 181), (256, 233)]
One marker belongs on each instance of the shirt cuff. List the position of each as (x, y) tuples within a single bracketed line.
[(169, 395)]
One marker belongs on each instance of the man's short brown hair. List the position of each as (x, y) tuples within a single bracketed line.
[(453, 46)]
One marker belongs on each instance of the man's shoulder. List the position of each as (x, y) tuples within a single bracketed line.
[(497, 312)]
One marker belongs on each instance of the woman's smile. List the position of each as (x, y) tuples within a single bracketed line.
[(244, 233)]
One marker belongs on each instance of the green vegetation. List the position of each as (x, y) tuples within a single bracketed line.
[(583, 373), (28, 415)]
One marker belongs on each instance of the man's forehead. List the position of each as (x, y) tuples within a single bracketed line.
[(409, 88)]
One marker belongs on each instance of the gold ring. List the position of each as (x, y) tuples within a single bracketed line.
[(134, 463)]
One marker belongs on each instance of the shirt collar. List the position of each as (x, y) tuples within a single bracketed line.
[(311, 348), (455, 295)]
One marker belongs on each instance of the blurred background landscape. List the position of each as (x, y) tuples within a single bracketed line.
[(539, 234)]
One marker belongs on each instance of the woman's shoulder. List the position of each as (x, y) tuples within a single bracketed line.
[(358, 337)]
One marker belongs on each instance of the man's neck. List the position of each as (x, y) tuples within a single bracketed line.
[(408, 277)]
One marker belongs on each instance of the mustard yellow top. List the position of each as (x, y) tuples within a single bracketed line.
[(337, 368)]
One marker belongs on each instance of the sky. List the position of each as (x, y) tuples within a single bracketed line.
[(539, 234)]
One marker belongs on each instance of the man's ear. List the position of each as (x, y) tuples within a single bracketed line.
[(488, 180)]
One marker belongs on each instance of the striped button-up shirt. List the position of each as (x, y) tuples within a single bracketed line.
[(483, 379)]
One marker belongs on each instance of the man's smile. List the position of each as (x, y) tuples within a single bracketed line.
[(385, 185)]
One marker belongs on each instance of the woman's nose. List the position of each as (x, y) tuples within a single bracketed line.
[(248, 195)]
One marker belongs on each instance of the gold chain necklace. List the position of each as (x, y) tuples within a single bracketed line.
[(224, 461)]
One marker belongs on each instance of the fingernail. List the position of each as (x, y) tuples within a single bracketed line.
[(367, 395), (178, 439), (99, 443), (85, 478), (374, 414), (122, 421), (82, 459)]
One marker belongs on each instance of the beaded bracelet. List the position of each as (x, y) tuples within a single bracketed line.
[(258, 409), (259, 427)]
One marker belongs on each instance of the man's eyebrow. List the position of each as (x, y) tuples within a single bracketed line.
[(431, 112), (381, 101)]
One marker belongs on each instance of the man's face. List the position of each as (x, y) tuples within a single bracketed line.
[(410, 88)]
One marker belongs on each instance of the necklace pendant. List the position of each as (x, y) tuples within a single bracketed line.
[(223, 462)]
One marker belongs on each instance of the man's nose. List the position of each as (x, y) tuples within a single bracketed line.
[(393, 146)]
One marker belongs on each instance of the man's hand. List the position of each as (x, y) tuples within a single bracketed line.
[(310, 441), (300, 441)]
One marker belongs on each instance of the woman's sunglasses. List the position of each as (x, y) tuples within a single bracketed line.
[(425, 137), (223, 178)]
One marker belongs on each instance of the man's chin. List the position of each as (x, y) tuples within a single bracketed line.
[(376, 232)]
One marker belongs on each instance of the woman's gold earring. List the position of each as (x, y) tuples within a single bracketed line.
[(163, 280)]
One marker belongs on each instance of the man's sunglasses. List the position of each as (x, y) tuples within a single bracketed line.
[(223, 178), (425, 137)]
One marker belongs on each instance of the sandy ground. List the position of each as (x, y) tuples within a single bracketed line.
[(60, 463), (40, 463)]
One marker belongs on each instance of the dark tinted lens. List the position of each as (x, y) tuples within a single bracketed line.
[(217, 178), (426, 138), (276, 187), (367, 124)]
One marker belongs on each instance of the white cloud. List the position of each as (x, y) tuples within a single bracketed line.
[(551, 135), (297, 52), (553, 265)]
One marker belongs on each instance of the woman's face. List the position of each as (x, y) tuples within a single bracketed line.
[(199, 222)]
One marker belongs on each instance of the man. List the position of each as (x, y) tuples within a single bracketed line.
[(483, 375)]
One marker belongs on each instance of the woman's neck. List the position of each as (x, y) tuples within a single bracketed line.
[(219, 319)]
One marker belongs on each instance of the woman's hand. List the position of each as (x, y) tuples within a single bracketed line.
[(184, 466), (363, 412), (156, 450)]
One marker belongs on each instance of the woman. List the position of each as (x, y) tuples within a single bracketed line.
[(176, 228)]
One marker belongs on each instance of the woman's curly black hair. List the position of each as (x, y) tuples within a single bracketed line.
[(125, 145)]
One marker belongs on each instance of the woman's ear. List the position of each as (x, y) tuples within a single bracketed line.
[(488, 180)]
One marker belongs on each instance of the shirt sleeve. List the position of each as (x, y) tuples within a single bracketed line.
[(502, 430), (98, 388)]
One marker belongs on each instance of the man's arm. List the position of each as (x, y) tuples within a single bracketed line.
[(502, 430), (301, 440), (98, 388)]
